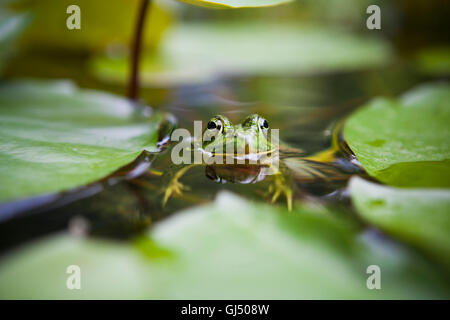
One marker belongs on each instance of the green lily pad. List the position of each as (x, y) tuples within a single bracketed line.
[(199, 52), (405, 142), (420, 216), (235, 3), (55, 137), (232, 248), (11, 27)]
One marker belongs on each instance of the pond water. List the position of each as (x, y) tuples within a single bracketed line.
[(304, 108)]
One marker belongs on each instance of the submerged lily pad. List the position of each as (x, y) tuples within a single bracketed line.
[(232, 248), (197, 52), (405, 142), (434, 61), (420, 216), (235, 3), (54, 137)]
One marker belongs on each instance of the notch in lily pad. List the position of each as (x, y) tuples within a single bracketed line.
[(404, 142)]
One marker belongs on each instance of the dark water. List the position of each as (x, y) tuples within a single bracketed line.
[(303, 107)]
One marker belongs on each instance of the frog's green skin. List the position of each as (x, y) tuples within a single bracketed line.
[(253, 157)]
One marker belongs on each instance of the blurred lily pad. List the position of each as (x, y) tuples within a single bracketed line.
[(420, 216), (104, 24), (11, 27), (434, 60), (235, 3), (232, 248), (405, 142), (198, 52), (55, 137)]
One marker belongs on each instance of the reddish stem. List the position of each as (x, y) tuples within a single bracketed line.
[(133, 82)]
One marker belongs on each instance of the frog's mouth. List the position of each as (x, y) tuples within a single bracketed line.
[(265, 157), (236, 174)]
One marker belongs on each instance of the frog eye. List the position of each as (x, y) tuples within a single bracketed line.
[(215, 124), (263, 124)]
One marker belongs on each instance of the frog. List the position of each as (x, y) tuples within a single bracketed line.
[(247, 153)]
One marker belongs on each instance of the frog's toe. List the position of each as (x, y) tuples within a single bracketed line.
[(289, 199), (277, 190), (167, 195), (275, 195), (175, 187)]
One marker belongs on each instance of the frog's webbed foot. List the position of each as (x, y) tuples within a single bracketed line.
[(175, 187), (278, 187)]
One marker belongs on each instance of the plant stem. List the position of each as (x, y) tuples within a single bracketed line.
[(133, 82)]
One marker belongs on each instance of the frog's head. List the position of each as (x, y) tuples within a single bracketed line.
[(248, 139)]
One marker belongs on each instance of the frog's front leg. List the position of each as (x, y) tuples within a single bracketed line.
[(279, 186), (175, 186)]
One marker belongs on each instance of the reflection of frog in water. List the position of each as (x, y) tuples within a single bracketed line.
[(249, 153)]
